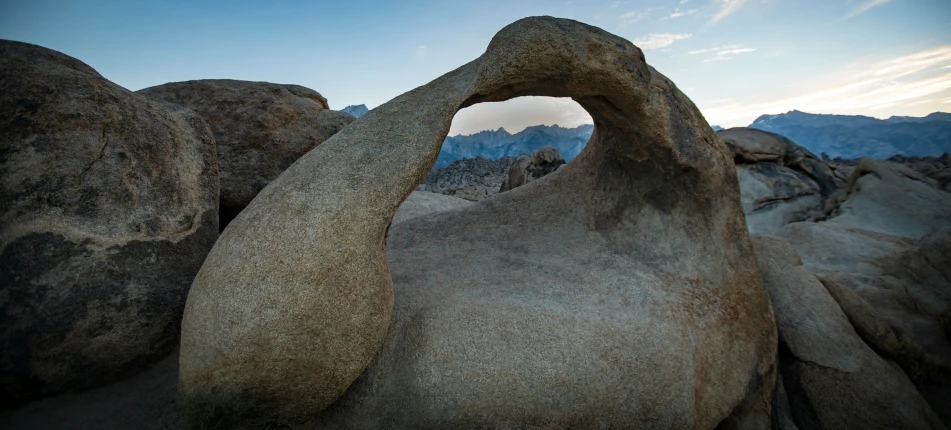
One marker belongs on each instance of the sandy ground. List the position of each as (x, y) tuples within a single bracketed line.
[(145, 401)]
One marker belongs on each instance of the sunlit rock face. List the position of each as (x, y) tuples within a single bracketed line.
[(108, 206), (619, 291)]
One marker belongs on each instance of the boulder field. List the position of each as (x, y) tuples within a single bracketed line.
[(621, 290)]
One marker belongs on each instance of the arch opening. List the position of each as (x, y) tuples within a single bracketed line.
[(493, 147)]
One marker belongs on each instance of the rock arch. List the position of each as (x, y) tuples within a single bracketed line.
[(295, 299)]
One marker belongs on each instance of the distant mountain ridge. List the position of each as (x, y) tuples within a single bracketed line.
[(356, 110), (854, 136), (495, 144)]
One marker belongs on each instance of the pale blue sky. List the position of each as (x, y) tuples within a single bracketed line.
[(736, 59)]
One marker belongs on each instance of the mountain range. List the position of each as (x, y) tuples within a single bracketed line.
[(495, 144), (356, 110), (854, 136), (846, 136)]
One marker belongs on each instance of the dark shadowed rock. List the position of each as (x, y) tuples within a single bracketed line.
[(903, 281), (109, 206), (833, 379), (517, 174), (145, 401), (543, 161), (636, 303), (476, 178), (780, 181), (261, 128), (774, 195)]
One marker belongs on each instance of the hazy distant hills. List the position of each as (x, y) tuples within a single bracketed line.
[(853, 136), (495, 144), (355, 110)]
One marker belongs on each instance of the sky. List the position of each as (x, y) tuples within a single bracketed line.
[(736, 59)]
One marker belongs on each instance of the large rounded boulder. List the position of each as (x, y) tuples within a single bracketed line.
[(260, 127), (109, 206), (833, 378), (780, 181), (637, 302)]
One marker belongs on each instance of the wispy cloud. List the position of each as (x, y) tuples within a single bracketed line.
[(677, 13), (727, 7), (866, 86), (736, 51), (659, 40), (715, 49), (866, 6), (615, 5), (420, 52), (723, 50), (634, 16)]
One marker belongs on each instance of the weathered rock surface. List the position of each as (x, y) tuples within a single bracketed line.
[(780, 181), (473, 179), (661, 322), (774, 196), (906, 283), (888, 272), (889, 198), (752, 146), (935, 168), (420, 203), (833, 379), (109, 206), (526, 169), (261, 128)]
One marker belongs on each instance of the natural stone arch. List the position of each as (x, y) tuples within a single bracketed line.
[(295, 299)]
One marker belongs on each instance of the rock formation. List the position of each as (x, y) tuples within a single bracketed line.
[(780, 181), (892, 199), (936, 168), (638, 304), (473, 179), (833, 379), (260, 127), (527, 169), (109, 206), (887, 241)]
